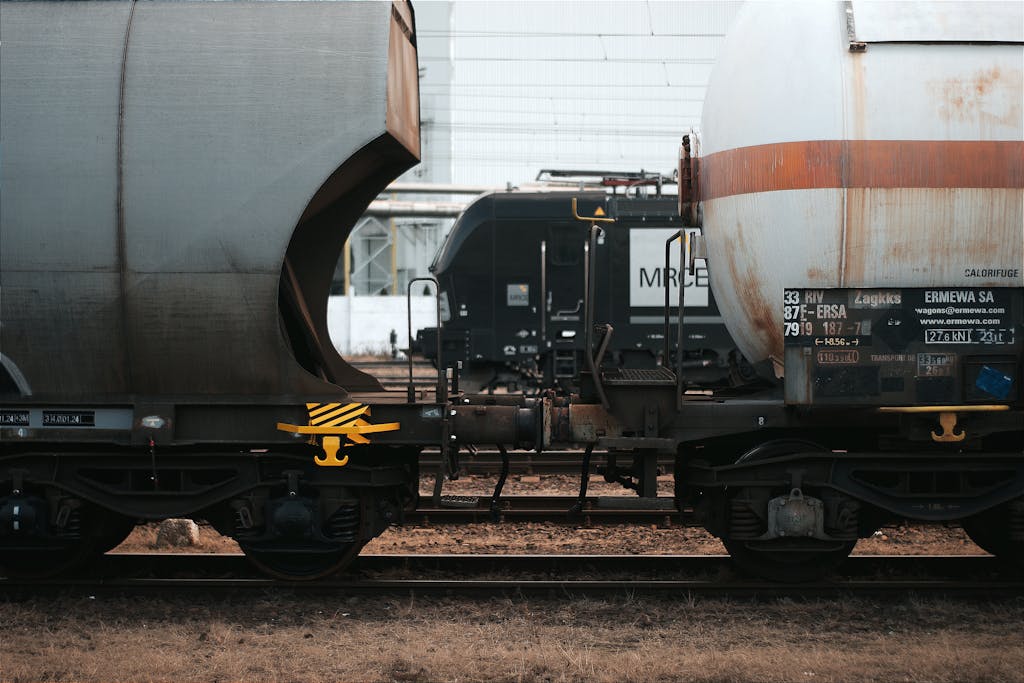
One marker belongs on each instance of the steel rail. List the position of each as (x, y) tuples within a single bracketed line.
[(552, 462), (595, 510), (604, 575), (946, 566), (552, 588), (399, 364)]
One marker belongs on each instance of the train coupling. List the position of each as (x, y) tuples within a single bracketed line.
[(517, 424)]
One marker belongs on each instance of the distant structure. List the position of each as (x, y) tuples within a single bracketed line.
[(385, 251), (506, 90)]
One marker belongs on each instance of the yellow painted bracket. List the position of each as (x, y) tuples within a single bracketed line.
[(947, 417), (948, 423), (986, 408), (333, 420), (353, 433)]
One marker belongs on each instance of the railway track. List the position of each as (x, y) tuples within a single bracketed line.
[(553, 509), (599, 575), (394, 373), (485, 461)]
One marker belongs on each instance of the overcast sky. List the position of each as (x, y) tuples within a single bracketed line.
[(512, 87)]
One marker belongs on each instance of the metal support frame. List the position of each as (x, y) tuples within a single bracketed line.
[(382, 268), (369, 265)]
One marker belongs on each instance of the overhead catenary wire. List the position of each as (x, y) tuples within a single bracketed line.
[(632, 115), (573, 60), (573, 130), (621, 96), (685, 100), (617, 86), (429, 33)]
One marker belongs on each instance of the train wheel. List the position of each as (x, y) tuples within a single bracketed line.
[(1000, 531), (301, 562), (296, 544), (86, 532), (779, 559)]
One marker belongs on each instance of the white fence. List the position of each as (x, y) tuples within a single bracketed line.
[(362, 324)]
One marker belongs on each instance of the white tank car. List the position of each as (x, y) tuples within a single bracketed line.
[(861, 145)]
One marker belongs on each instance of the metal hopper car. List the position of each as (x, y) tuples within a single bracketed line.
[(179, 179), (175, 175)]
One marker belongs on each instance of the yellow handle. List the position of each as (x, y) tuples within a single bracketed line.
[(595, 219)]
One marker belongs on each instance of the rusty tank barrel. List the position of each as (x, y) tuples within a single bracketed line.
[(887, 150)]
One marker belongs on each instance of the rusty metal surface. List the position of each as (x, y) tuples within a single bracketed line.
[(247, 131), (896, 166), (589, 423)]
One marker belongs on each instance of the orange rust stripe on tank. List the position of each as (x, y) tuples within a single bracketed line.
[(885, 164)]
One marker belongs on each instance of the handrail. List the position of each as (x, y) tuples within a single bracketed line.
[(684, 245), (442, 380), (684, 239), (592, 219), (543, 308), (666, 353), (589, 292), (602, 348)]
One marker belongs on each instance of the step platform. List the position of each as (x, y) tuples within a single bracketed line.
[(638, 377)]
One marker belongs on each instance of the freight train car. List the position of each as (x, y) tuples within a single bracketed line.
[(178, 179), (511, 273), (859, 185)]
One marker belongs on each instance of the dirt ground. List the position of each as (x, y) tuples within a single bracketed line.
[(536, 538)]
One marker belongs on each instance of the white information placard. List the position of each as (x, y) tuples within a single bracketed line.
[(647, 270)]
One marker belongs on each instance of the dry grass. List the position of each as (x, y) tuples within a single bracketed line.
[(285, 637)]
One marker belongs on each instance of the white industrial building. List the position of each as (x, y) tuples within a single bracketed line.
[(508, 89)]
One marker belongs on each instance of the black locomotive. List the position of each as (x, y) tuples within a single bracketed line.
[(512, 276)]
